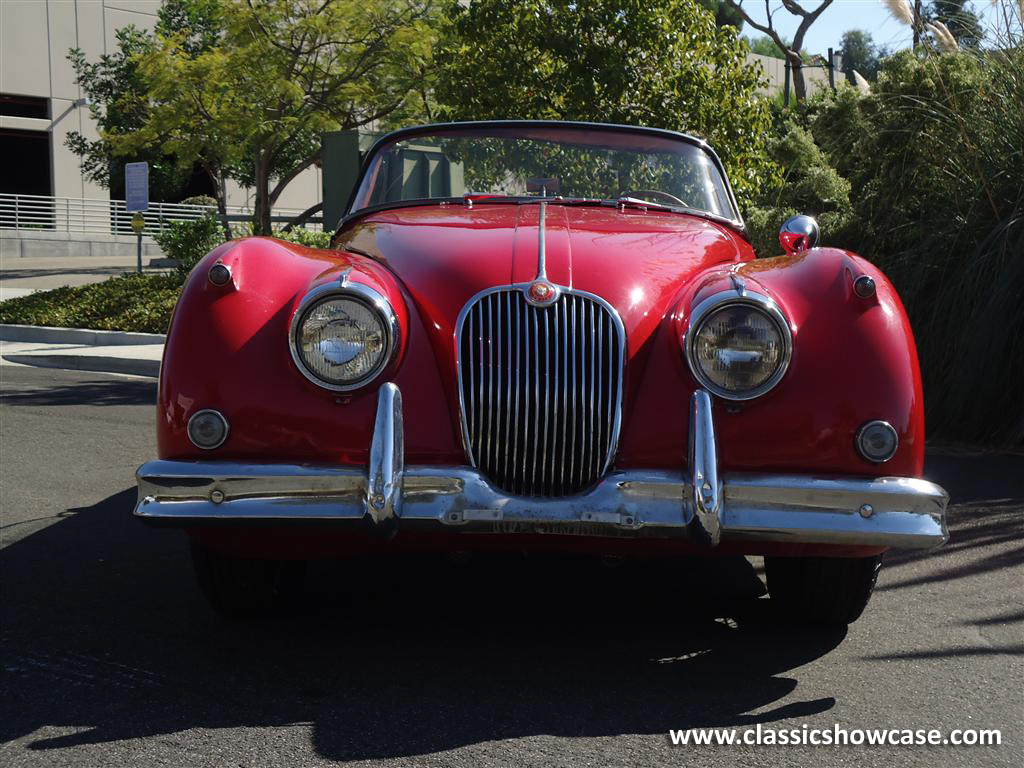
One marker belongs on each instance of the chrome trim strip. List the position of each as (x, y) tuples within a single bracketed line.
[(726, 298), (542, 253), (705, 485), (387, 456), (344, 287)]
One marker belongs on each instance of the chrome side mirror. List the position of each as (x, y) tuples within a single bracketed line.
[(798, 233)]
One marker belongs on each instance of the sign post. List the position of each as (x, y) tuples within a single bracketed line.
[(136, 200)]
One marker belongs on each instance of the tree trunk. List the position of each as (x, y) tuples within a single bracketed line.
[(261, 219), (221, 196), (799, 86)]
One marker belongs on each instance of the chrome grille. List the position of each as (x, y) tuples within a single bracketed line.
[(540, 390)]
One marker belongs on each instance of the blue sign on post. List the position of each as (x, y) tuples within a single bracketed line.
[(136, 187)]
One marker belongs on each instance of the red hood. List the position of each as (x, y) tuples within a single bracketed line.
[(637, 261)]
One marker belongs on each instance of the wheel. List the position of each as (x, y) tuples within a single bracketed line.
[(821, 590), (245, 587)]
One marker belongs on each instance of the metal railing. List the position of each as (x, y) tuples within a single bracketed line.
[(109, 217)]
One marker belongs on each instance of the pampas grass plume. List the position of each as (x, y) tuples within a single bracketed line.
[(901, 10)]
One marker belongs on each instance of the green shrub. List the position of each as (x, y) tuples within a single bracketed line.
[(935, 160), (307, 237), (204, 200), (810, 185), (131, 302), (189, 241)]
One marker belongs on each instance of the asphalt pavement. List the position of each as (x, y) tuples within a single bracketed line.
[(111, 657)]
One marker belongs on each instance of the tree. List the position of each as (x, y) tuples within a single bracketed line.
[(661, 63), (860, 54), (725, 14), (252, 103), (959, 19), (790, 49), (765, 46)]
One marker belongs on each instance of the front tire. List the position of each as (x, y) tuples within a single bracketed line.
[(821, 590), (245, 587)]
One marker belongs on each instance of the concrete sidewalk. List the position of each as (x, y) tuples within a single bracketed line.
[(82, 349)]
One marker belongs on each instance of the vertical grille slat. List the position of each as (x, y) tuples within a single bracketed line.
[(540, 390)]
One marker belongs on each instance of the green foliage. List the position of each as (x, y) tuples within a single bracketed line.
[(765, 46), (724, 13), (117, 97), (250, 101), (189, 241), (663, 63), (934, 157), (810, 185), (310, 238), (205, 200), (140, 303), (962, 22), (860, 54)]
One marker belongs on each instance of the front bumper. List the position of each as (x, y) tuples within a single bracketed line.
[(883, 512)]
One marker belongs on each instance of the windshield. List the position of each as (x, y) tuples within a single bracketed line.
[(550, 161)]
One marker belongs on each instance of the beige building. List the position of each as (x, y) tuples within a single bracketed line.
[(40, 102)]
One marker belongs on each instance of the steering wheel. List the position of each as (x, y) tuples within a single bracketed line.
[(655, 193)]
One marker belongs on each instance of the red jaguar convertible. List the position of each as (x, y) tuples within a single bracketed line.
[(542, 335)]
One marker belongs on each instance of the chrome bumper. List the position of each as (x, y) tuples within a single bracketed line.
[(885, 511)]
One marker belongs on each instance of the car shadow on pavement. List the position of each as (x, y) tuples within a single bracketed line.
[(100, 391), (105, 637)]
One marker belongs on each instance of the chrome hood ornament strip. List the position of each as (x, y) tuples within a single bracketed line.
[(541, 292)]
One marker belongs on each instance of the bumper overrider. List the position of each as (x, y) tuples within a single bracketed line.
[(698, 503)]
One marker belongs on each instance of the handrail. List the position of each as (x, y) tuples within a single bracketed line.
[(109, 217)]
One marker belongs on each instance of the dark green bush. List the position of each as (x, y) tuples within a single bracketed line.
[(935, 161), (132, 302), (810, 186)]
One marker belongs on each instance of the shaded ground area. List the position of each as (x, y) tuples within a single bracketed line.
[(110, 656)]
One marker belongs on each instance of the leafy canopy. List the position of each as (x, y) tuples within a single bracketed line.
[(249, 96), (659, 63), (860, 54)]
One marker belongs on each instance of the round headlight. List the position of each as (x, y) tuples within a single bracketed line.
[(341, 341), (738, 349)]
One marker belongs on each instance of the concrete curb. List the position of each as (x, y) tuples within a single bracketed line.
[(46, 335), (98, 363)]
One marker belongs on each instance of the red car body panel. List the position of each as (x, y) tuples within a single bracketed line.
[(854, 359)]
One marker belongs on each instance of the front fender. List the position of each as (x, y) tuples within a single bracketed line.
[(227, 349), (854, 360)]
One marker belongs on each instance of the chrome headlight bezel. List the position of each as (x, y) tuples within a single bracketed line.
[(730, 298), (363, 294)]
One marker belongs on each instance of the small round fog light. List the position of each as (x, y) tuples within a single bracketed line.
[(207, 429), (877, 441)]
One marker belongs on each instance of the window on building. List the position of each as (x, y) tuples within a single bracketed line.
[(24, 106), (26, 157)]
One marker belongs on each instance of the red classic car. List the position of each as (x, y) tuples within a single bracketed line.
[(542, 335)]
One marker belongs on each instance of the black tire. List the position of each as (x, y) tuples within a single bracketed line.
[(247, 588), (821, 590)]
